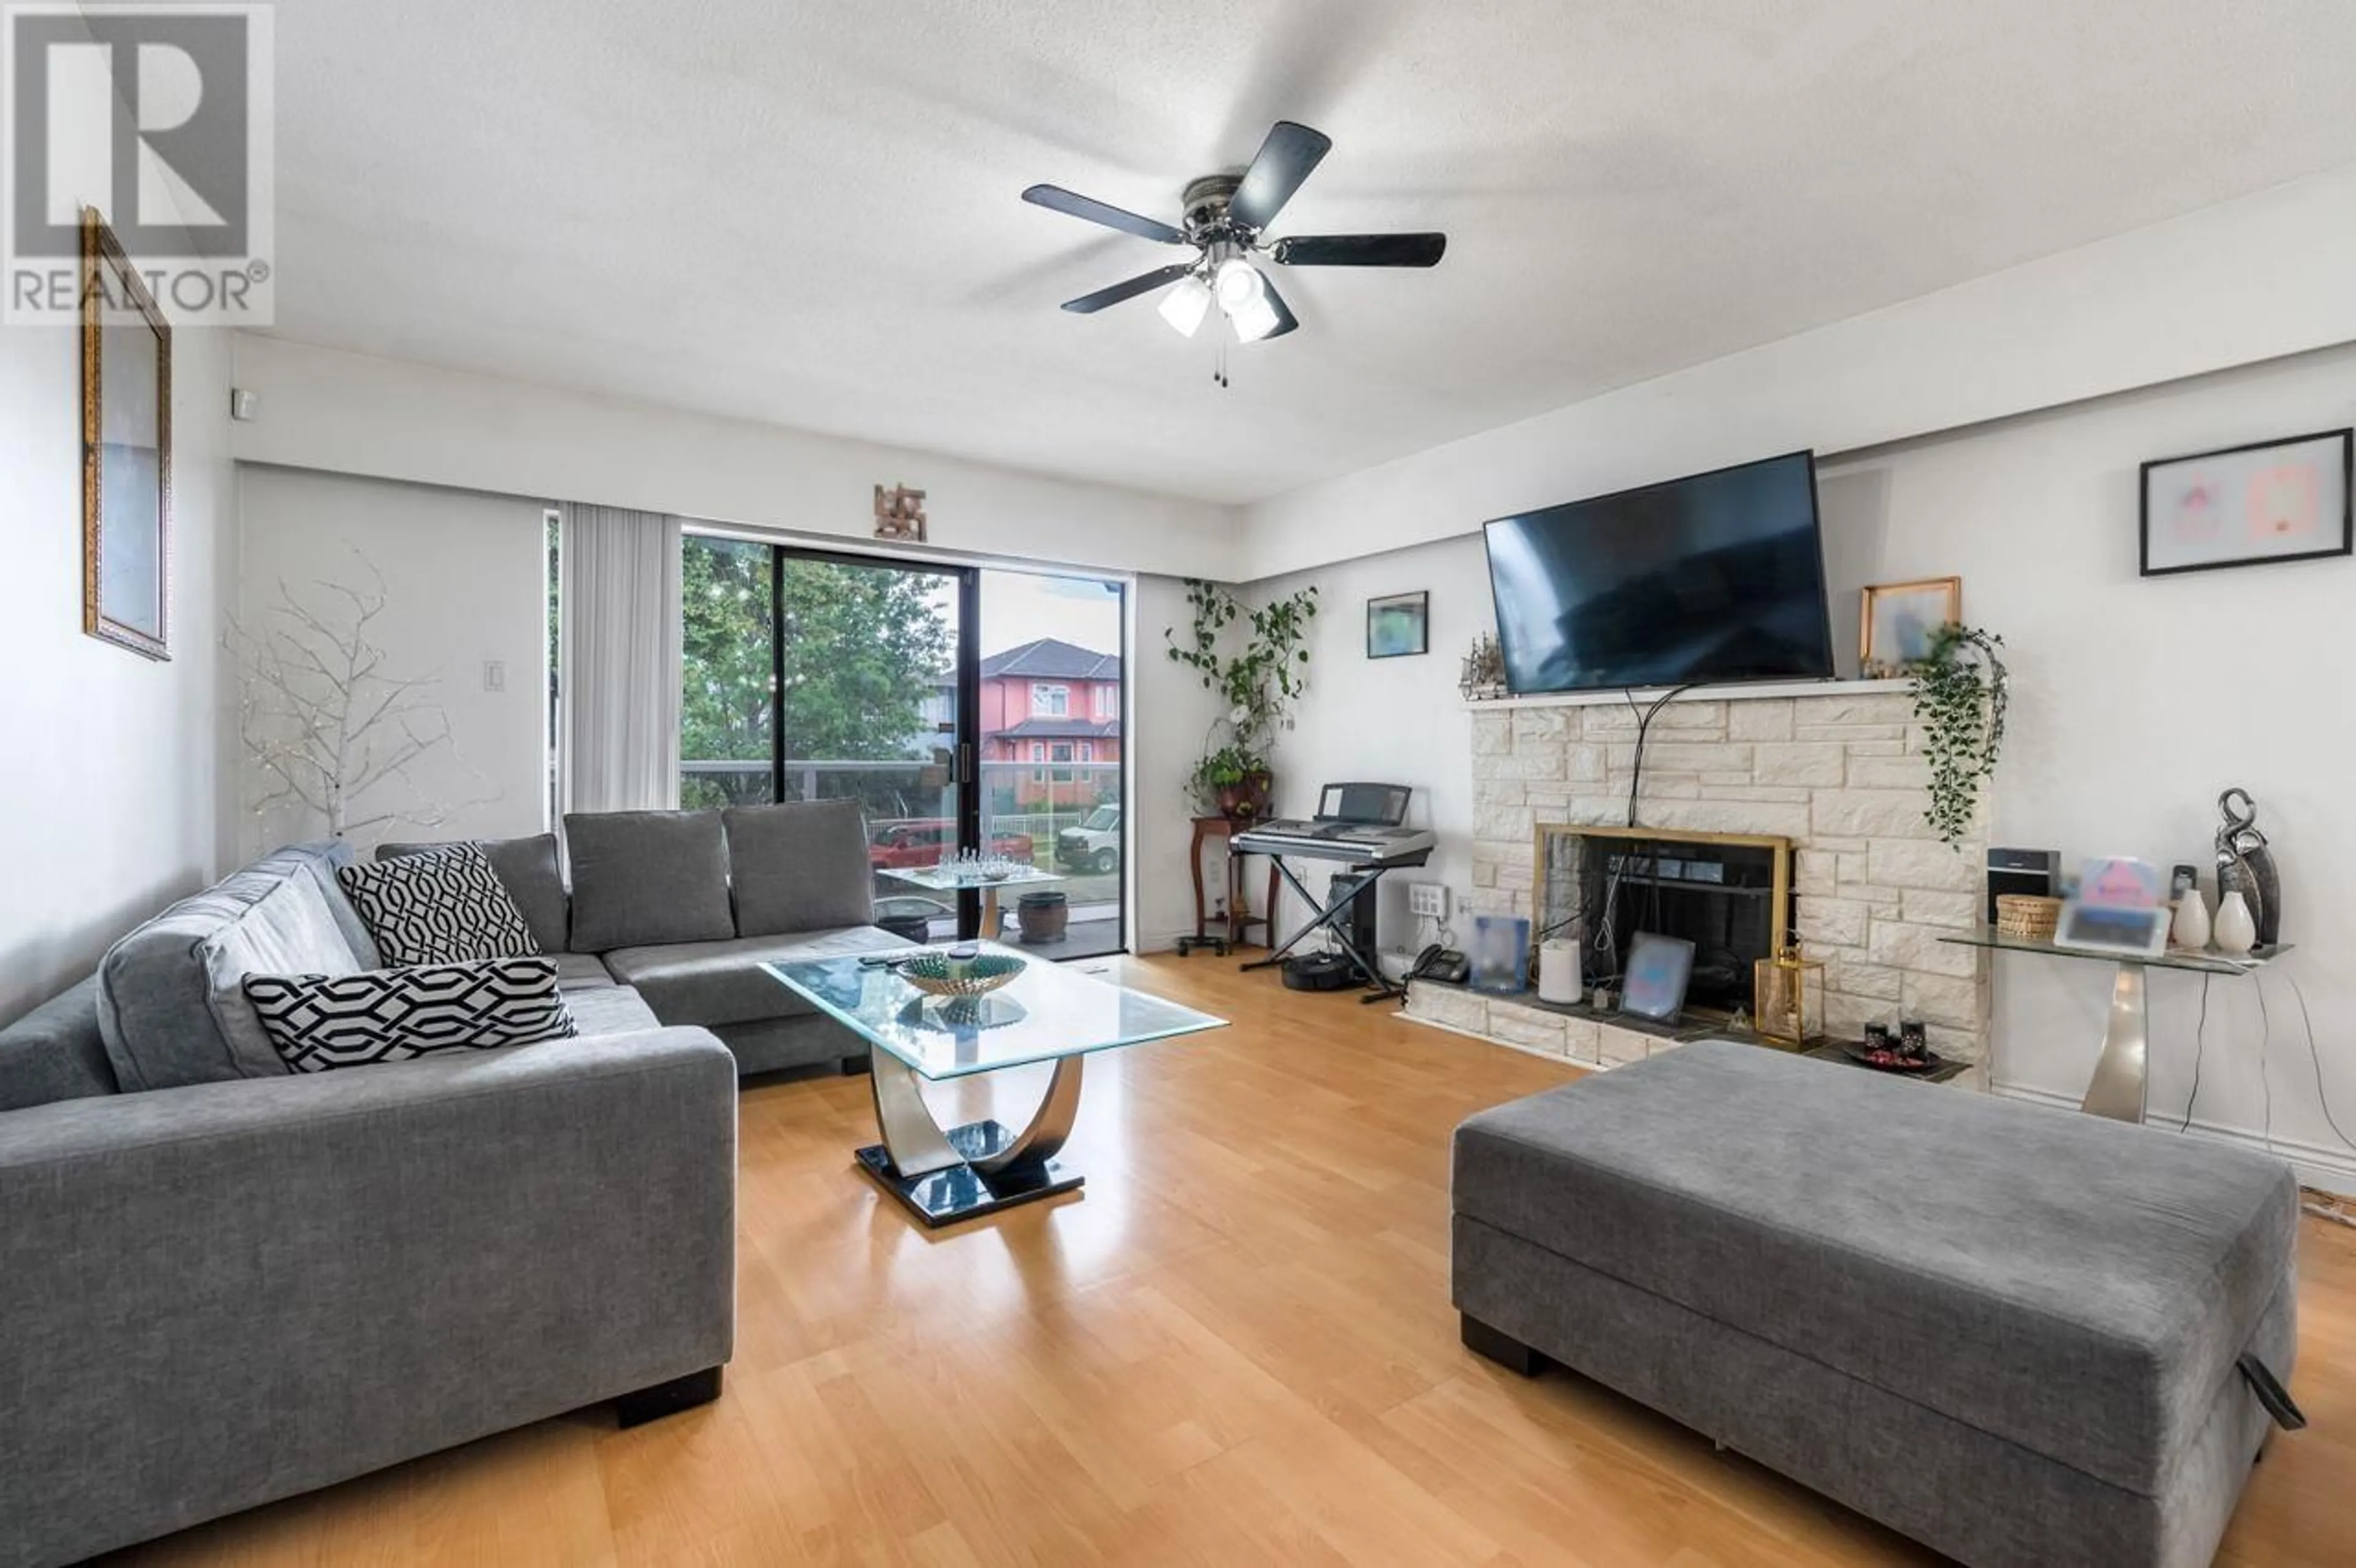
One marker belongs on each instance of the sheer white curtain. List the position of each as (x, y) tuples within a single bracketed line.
[(617, 660)]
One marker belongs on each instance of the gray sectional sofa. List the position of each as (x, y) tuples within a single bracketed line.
[(684, 907), (222, 1283)]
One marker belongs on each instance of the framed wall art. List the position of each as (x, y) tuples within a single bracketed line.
[(1398, 624), (2249, 505), (1898, 620), (126, 436)]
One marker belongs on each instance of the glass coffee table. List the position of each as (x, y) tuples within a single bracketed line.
[(1047, 1013)]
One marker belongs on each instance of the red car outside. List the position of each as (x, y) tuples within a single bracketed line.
[(912, 845)]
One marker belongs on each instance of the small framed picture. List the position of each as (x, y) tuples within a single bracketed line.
[(2130, 933), (2248, 505), (1898, 620), (1659, 969), (1398, 624), (1500, 953)]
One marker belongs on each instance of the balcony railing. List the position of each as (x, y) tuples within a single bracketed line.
[(1019, 799)]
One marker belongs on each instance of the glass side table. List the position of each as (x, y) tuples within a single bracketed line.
[(2116, 1089), (945, 880)]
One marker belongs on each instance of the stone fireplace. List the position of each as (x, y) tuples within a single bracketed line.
[(1835, 771)]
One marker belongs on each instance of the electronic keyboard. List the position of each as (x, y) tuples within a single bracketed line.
[(1325, 838)]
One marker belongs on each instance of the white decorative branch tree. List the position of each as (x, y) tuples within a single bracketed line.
[(323, 724)]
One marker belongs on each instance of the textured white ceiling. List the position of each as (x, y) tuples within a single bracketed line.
[(807, 213)]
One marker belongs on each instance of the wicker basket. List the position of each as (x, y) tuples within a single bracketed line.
[(2027, 915), (929, 973)]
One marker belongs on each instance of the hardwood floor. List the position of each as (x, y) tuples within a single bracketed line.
[(1235, 1347)]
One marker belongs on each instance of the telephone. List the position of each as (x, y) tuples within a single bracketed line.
[(1437, 962)]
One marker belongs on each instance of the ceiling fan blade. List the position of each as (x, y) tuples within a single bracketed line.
[(1360, 249), (1283, 161), (1055, 199), (1143, 283)]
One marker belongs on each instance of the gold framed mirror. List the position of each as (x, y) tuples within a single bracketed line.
[(126, 434)]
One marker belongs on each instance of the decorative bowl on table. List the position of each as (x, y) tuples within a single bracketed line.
[(936, 974)]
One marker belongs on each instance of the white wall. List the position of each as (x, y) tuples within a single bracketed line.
[(2135, 702), (2239, 283), (389, 419), (465, 582), (1394, 721), (110, 803), (1168, 715)]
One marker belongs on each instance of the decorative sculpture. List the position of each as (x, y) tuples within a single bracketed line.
[(329, 737), (2246, 866), (1483, 676), (900, 514)]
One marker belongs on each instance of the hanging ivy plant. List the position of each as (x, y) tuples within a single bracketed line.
[(1959, 698), (1258, 682)]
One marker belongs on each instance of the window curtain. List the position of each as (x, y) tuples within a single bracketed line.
[(617, 660)]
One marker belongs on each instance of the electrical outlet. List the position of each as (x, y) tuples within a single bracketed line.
[(1427, 899)]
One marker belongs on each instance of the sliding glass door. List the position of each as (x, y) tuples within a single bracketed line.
[(727, 730), (1050, 728), (961, 708)]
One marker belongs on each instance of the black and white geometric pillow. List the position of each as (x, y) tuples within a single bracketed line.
[(318, 1021), (445, 906)]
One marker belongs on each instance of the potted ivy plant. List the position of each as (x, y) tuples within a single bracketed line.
[(1234, 780), (1960, 692), (1258, 681)]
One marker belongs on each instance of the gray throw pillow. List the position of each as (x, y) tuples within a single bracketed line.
[(287, 931), (322, 1021), (642, 879), (529, 869), (445, 906), (800, 867)]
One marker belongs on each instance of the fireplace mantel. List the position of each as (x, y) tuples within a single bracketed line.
[(1644, 695)]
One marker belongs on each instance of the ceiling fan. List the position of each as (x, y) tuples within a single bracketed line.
[(1223, 222)]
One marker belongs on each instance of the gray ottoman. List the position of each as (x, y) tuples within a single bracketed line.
[(2006, 1331)]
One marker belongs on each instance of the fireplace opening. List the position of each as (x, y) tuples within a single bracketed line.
[(1729, 894)]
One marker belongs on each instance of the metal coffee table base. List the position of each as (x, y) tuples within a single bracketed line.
[(966, 1172)]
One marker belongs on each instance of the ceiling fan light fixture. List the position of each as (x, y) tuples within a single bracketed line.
[(1255, 318), (1186, 304), (1238, 284)]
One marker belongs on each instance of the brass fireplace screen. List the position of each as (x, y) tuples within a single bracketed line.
[(1730, 894)]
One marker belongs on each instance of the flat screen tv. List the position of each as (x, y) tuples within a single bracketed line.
[(1712, 579)]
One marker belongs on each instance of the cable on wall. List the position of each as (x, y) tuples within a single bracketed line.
[(2316, 1058), (1644, 716), (2199, 1050)]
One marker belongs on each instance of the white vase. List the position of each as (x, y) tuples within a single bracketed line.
[(2191, 929), (2236, 932), (1558, 971)]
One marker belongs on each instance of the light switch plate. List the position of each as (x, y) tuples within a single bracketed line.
[(1427, 899), (495, 675)]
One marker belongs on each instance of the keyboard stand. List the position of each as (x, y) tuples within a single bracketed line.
[(1368, 964)]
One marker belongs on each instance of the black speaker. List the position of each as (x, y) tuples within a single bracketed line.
[(2036, 872), (1355, 889)]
